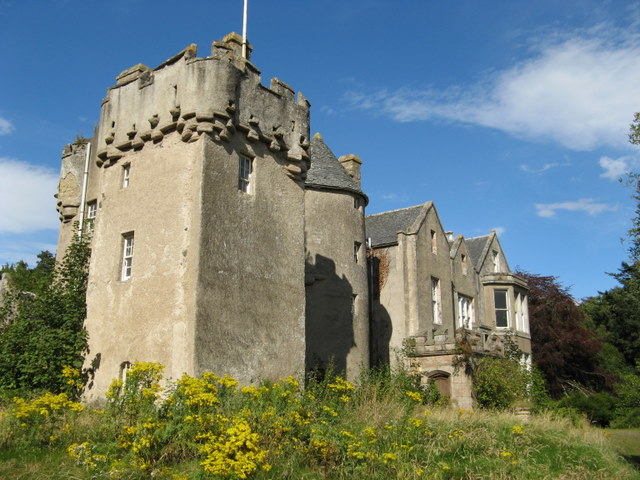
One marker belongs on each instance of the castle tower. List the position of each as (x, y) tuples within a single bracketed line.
[(196, 189), (337, 296)]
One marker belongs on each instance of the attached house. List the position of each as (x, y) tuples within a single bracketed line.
[(431, 289)]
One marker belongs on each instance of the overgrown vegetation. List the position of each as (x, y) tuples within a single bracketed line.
[(211, 427), (41, 322)]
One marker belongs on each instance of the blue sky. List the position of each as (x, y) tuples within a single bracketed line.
[(510, 115)]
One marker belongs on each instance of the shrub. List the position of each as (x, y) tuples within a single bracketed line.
[(499, 382), (598, 407)]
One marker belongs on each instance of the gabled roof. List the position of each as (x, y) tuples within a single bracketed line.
[(326, 172), (383, 228), (477, 248)]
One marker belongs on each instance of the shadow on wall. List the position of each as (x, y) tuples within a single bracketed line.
[(330, 308), (380, 326)]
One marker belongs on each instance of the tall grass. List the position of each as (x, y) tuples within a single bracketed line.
[(211, 427)]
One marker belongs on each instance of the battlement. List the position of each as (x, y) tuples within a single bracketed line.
[(219, 96)]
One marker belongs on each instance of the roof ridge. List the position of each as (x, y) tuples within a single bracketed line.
[(479, 236), (397, 210)]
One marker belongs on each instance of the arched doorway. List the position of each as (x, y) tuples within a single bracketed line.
[(442, 380)]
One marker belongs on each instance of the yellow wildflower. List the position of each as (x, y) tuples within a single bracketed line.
[(415, 396), (517, 430), (415, 422)]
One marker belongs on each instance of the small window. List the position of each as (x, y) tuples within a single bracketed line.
[(434, 242), (124, 370), (522, 320), (356, 203), (127, 256), (356, 251), (92, 209), (501, 304), (465, 311), (245, 170), (463, 261), (126, 172), (496, 261), (525, 314), (436, 301)]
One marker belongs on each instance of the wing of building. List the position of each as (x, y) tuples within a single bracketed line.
[(226, 239), (432, 291)]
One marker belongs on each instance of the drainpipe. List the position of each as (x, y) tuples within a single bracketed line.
[(83, 197)]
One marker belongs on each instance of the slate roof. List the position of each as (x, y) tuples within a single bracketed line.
[(383, 228), (326, 171), (476, 246)]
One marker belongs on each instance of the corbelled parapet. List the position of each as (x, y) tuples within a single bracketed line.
[(219, 96), (70, 186)]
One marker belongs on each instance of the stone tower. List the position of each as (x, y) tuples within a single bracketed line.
[(337, 299), (196, 197)]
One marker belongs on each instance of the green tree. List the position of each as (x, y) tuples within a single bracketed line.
[(563, 347), (34, 280), (42, 333), (616, 312)]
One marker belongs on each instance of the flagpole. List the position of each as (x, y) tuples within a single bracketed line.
[(244, 30)]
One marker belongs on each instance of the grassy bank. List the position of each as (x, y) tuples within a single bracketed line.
[(213, 428)]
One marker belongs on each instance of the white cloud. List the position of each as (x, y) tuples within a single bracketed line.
[(5, 126), (394, 197), (586, 205), (499, 231), (26, 197), (328, 110), (544, 168), (615, 168), (577, 92)]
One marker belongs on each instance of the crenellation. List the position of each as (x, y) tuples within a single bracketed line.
[(212, 96), (187, 54), (131, 74), (281, 88), (231, 46)]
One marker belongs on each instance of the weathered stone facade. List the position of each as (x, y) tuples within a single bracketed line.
[(226, 239)]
